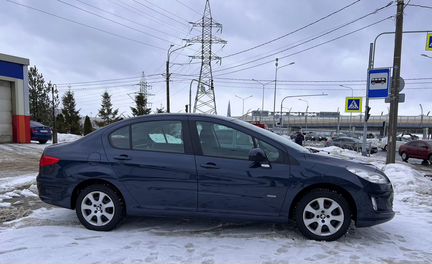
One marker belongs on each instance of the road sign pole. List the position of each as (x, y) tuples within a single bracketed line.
[(394, 97), (364, 148)]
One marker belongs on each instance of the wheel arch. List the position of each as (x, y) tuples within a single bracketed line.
[(82, 185), (326, 186)]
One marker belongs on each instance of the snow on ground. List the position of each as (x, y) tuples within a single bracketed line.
[(55, 235)]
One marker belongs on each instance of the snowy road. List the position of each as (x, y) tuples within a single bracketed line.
[(54, 235)]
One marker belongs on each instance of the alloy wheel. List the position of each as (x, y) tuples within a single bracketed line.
[(323, 216), (97, 208)]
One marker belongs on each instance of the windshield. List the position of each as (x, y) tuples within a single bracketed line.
[(273, 136)]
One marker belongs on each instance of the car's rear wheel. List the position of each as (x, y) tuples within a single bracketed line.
[(323, 215), (385, 148), (42, 141), (99, 207), (404, 156)]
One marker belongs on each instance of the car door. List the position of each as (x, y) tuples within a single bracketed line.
[(155, 162), (228, 182), (422, 150)]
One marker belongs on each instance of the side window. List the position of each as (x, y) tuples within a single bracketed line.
[(222, 141), (163, 136), (273, 154), (120, 138)]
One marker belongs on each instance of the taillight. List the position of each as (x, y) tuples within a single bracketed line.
[(46, 161)]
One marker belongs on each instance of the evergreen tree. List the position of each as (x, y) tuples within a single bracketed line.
[(39, 97), (141, 106), (60, 123), (88, 128), (106, 112), (71, 116)]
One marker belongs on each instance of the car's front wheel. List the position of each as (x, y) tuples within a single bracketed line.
[(99, 207), (323, 215), (404, 156), (42, 141)]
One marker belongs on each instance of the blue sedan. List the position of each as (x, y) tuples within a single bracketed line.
[(40, 132), (201, 165)]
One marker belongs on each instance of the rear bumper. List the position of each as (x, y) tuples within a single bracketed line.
[(54, 192), (38, 137)]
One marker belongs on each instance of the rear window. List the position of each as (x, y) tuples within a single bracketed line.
[(120, 138), (36, 124)]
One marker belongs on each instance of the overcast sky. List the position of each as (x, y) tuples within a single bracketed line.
[(120, 39)]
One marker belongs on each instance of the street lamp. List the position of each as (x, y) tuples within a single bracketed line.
[(262, 103), (275, 88), (352, 94), (243, 99), (307, 108), (168, 74), (293, 96)]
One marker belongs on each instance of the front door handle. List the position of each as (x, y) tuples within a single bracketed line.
[(122, 157), (209, 165)]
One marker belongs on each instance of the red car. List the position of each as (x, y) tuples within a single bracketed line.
[(417, 149)]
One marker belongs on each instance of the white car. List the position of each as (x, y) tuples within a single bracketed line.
[(400, 140)]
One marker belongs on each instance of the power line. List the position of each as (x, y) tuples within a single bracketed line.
[(312, 47), (148, 16), (169, 17), (106, 80), (188, 7), (85, 25), (166, 11), (294, 31), (125, 18), (307, 41), (113, 21), (422, 6)]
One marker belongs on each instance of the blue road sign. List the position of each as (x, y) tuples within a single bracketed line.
[(429, 42), (353, 104), (378, 83)]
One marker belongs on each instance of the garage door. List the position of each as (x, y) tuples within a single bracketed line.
[(5, 112)]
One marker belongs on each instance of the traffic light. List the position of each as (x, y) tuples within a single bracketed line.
[(367, 114), (186, 108)]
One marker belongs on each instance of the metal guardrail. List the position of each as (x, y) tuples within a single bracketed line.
[(343, 121)]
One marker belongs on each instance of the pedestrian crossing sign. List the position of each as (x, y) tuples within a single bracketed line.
[(429, 42), (353, 105)]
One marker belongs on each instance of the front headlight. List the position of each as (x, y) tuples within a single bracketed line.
[(369, 175)]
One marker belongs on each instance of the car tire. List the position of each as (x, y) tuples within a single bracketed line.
[(323, 215), (42, 141), (99, 207), (404, 156), (385, 148)]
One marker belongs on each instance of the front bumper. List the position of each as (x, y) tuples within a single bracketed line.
[(367, 215)]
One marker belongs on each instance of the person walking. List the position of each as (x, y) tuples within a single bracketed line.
[(299, 138)]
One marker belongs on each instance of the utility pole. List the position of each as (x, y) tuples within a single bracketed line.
[(367, 109), (275, 87), (274, 96), (394, 97), (54, 130), (205, 100), (168, 74)]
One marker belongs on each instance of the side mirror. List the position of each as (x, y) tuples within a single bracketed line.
[(257, 155)]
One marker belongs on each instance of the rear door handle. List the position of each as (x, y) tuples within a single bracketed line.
[(209, 165), (122, 157)]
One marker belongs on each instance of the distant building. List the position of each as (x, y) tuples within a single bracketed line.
[(14, 100)]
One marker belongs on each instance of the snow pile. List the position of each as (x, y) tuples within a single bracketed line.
[(63, 138), (9, 188), (410, 185)]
